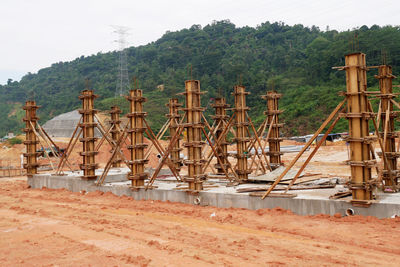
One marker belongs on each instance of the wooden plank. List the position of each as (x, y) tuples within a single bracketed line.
[(304, 179), (280, 195), (259, 143), (336, 110), (272, 176), (256, 189), (284, 188), (218, 176), (216, 154), (161, 150), (341, 195), (314, 151), (260, 131), (382, 148), (217, 143)]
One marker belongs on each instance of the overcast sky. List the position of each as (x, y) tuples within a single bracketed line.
[(35, 34)]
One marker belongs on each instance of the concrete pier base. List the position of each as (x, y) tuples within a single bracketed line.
[(307, 202)]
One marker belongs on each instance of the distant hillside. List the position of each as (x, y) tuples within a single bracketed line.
[(295, 60)]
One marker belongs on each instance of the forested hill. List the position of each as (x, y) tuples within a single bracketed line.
[(295, 60)]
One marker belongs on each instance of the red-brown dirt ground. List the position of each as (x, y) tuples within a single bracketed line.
[(60, 228)]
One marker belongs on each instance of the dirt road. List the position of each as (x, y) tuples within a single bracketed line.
[(60, 228)]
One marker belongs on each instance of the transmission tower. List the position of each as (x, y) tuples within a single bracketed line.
[(123, 78)]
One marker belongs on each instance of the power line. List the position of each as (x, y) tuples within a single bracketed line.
[(123, 76)]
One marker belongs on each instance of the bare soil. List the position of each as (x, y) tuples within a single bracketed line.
[(60, 228), (329, 160)]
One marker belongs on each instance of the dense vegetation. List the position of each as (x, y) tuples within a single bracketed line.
[(14, 141), (295, 60)]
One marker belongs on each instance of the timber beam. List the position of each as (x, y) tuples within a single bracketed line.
[(388, 135), (194, 143), (174, 117), (115, 125), (88, 140), (242, 137), (361, 182), (274, 139), (221, 119), (31, 163), (136, 129)]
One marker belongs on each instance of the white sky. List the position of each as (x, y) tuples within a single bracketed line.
[(35, 34)]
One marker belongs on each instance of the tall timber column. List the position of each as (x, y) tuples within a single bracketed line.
[(242, 138), (220, 119), (385, 84), (31, 141), (137, 174), (274, 140), (88, 140), (357, 114), (174, 117), (194, 143), (115, 132)]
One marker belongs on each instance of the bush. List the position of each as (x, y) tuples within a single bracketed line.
[(14, 141)]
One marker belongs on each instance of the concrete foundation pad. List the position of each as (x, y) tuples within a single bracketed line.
[(307, 202)]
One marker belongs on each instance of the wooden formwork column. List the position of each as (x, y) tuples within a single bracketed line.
[(88, 140), (358, 115), (194, 142), (136, 128), (115, 132), (242, 137), (385, 77), (174, 117), (31, 141), (274, 140), (221, 119)]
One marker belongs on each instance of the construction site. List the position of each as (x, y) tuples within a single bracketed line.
[(107, 189)]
